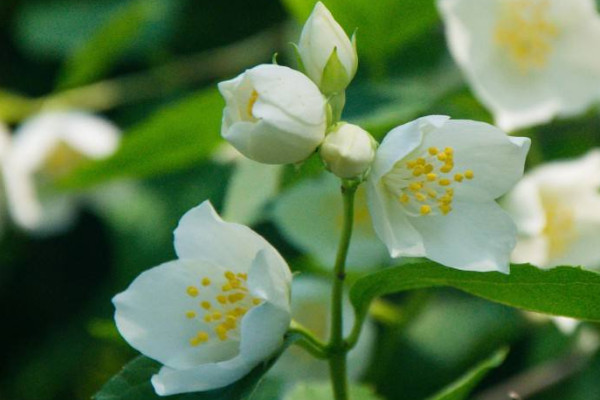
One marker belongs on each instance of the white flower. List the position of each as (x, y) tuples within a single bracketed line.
[(527, 60), (317, 229), (557, 211), (311, 300), (348, 150), (44, 149), (213, 314), (327, 54), (432, 188), (273, 114)]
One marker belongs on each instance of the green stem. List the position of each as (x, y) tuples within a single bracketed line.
[(337, 346), (308, 341)]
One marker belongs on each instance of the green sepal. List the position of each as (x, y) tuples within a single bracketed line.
[(301, 67), (335, 79)]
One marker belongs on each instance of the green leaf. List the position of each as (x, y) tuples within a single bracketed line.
[(567, 291), (383, 26), (323, 391), (173, 138), (462, 387), (109, 42)]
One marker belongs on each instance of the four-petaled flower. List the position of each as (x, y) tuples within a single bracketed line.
[(527, 60), (214, 313), (432, 191), (557, 211)]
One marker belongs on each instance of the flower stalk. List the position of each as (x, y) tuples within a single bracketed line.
[(337, 346)]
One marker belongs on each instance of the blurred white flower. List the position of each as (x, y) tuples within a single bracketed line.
[(45, 148), (328, 56), (527, 60), (213, 314), (311, 299), (432, 188), (317, 228), (348, 151), (273, 114), (556, 207)]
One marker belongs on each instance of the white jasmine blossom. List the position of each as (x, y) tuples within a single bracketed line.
[(316, 230), (432, 191), (273, 114), (348, 151), (327, 54), (556, 208), (527, 60), (213, 314), (45, 148)]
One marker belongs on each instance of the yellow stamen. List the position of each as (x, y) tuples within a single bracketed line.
[(192, 291)]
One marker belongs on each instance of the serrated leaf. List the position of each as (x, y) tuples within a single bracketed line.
[(173, 138), (463, 386), (92, 60), (567, 291), (323, 391)]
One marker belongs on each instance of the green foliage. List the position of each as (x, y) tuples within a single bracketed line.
[(567, 291), (133, 383), (173, 138), (383, 26), (109, 43), (322, 391), (462, 387)]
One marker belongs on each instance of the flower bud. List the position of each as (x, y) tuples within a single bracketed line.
[(273, 114), (328, 56), (348, 151)]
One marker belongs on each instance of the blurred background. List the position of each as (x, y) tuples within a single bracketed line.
[(151, 67)]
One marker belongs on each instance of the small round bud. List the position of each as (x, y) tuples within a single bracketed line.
[(348, 151)]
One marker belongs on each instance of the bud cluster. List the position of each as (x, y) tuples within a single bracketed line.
[(277, 115)]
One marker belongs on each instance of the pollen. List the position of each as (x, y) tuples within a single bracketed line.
[(418, 184), (221, 307)]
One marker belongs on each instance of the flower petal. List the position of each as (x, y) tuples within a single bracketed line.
[(401, 141), (392, 225), (263, 329), (202, 234), (496, 159), (472, 237), (289, 90), (204, 377), (270, 279)]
